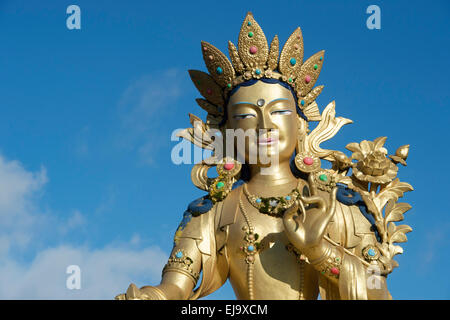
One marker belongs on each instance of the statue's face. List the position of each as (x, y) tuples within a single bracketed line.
[(269, 111)]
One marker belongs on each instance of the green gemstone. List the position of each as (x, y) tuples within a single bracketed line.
[(315, 67), (323, 177), (229, 85), (290, 79), (250, 34), (220, 185)]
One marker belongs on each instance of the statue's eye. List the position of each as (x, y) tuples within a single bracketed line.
[(281, 112), (244, 116)]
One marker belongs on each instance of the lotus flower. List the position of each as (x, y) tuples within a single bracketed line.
[(372, 165)]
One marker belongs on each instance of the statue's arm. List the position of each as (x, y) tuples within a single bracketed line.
[(179, 276), (194, 251), (348, 275)]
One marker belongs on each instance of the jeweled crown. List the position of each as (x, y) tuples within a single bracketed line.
[(254, 59)]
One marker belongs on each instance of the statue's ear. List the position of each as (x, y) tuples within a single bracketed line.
[(302, 126)]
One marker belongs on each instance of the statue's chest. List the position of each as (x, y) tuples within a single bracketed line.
[(259, 239), (257, 242), (254, 233)]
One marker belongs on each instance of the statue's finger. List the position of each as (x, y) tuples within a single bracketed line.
[(132, 292), (329, 213), (321, 205), (290, 212), (312, 185), (332, 206)]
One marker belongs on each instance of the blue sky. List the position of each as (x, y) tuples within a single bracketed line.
[(86, 117)]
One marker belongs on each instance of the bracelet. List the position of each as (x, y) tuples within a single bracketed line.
[(180, 262), (329, 264)]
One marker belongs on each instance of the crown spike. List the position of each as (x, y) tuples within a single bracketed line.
[(291, 57), (218, 65), (235, 60), (274, 52), (252, 45), (207, 86), (209, 107), (309, 73)]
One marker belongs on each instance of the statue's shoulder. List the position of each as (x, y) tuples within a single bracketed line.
[(194, 219)]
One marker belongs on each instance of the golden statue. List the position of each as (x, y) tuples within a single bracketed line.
[(289, 229)]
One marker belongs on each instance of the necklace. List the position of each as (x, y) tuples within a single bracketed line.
[(273, 206), (252, 247)]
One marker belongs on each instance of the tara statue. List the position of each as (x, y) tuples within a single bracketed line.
[(291, 228)]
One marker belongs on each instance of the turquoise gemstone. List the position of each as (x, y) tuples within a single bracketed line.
[(249, 23), (250, 248), (293, 61), (179, 254), (219, 70), (258, 71), (371, 252), (288, 198), (302, 102), (258, 200)]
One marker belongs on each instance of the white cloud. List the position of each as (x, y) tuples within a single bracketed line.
[(105, 271), (19, 190)]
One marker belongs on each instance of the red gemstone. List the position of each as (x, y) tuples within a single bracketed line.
[(334, 271), (253, 49), (308, 161), (208, 91), (228, 166)]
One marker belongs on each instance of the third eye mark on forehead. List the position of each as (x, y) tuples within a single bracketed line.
[(245, 102)]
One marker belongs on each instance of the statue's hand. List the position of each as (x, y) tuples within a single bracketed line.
[(134, 293), (306, 231)]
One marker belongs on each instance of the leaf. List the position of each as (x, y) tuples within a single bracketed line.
[(391, 229), (396, 212), (392, 191), (398, 237), (397, 159), (399, 234), (394, 263), (353, 147), (379, 142), (357, 156), (366, 147), (368, 200)]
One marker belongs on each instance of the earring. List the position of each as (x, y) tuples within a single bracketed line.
[(307, 162), (228, 170)]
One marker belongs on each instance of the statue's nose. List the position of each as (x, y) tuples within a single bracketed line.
[(266, 122)]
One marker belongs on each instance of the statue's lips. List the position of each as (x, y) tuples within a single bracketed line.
[(266, 141)]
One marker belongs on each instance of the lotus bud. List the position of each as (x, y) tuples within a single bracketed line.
[(402, 151)]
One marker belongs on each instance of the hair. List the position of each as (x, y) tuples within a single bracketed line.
[(251, 82)]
